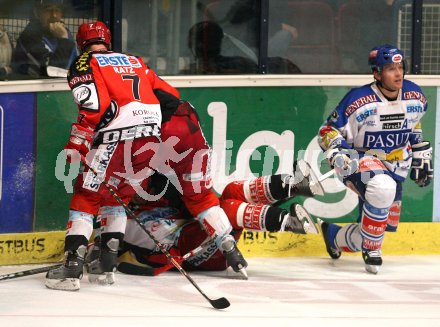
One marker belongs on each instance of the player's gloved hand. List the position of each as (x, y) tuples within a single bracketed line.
[(79, 142), (344, 162), (421, 167)]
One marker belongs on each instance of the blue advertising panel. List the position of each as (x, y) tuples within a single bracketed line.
[(17, 162)]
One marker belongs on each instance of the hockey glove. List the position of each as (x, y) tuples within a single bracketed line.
[(79, 143), (421, 166), (341, 161)]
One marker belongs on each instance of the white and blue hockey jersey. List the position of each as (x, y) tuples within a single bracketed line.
[(372, 125)]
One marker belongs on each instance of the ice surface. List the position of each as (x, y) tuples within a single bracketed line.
[(293, 291)]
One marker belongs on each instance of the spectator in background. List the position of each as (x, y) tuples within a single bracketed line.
[(240, 22), (205, 42), (45, 41), (5, 55), (375, 27)]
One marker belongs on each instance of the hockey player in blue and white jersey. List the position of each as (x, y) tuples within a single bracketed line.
[(373, 139)]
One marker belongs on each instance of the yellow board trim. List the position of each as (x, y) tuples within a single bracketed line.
[(411, 239), (26, 248)]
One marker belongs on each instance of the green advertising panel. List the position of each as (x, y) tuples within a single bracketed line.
[(253, 132), (55, 113)]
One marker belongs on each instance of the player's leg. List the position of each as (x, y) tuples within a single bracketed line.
[(379, 196), (367, 235), (113, 222), (270, 189), (79, 229), (216, 224), (263, 217)]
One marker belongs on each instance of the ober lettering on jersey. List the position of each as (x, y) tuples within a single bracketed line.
[(128, 133)]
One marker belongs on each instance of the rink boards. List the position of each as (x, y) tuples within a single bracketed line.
[(411, 239), (255, 125)]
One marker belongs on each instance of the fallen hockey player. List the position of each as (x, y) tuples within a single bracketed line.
[(247, 205)]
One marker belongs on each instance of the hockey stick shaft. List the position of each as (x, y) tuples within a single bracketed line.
[(220, 303), (29, 272), (158, 271), (328, 174), (145, 270)]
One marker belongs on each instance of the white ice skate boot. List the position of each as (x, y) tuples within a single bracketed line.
[(298, 221), (304, 182)]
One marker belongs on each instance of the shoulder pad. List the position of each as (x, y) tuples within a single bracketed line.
[(81, 64)]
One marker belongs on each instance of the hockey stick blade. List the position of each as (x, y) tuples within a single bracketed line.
[(221, 303), (29, 272)]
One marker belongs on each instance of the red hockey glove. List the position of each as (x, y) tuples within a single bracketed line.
[(79, 143), (422, 170)]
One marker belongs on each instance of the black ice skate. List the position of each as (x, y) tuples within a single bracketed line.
[(304, 182), (373, 261), (234, 258), (68, 276), (93, 251), (102, 269), (298, 221), (333, 252)]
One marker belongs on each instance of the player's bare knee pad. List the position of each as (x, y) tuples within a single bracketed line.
[(113, 219), (215, 222), (380, 191)]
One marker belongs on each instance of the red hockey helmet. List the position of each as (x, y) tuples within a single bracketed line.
[(89, 33)]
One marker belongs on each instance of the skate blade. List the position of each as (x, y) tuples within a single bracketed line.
[(107, 278), (241, 274), (65, 284), (308, 224), (372, 269), (314, 184)]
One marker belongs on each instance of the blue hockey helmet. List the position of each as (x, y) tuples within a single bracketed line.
[(385, 55)]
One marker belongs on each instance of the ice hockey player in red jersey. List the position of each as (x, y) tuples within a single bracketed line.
[(117, 131), (248, 205)]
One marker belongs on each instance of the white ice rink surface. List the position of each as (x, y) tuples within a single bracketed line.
[(294, 292)]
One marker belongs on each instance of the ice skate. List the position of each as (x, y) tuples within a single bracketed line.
[(102, 269), (93, 251), (68, 276), (328, 232), (298, 221), (373, 261), (234, 258), (304, 182)]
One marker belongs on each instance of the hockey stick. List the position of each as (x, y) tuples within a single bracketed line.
[(29, 272), (133, 269), (220, 303)]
